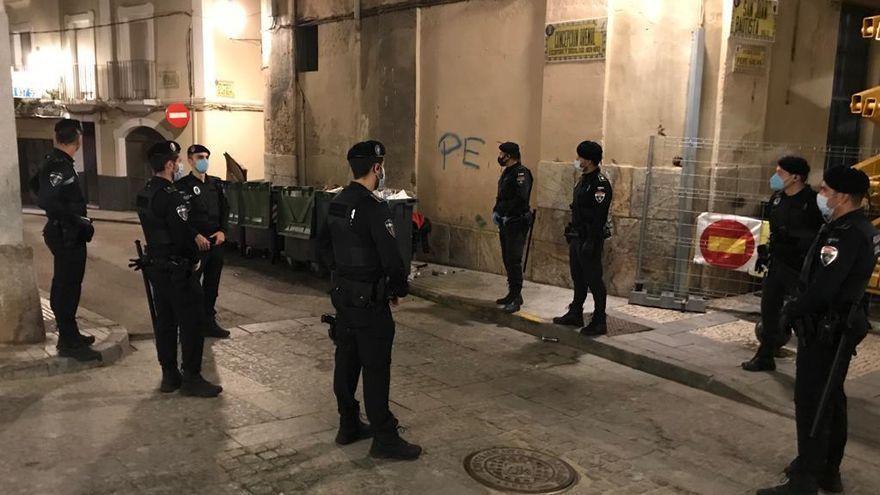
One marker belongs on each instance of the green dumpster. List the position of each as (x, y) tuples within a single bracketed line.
[(256, 205), (233, 196), (296, 207)]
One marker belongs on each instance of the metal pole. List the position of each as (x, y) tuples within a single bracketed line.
[(643, 228)]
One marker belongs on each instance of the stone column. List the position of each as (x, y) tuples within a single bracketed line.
[(21, 321), (282, 100)]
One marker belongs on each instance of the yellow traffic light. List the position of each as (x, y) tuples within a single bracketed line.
[(871, 27), (867, 103)]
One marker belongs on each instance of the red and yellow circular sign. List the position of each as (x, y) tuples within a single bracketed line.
[(727, 244)]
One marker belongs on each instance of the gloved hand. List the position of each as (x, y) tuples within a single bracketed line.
[(588, 248), (138, 263), (785, 316), (496, 218), (763, 260)]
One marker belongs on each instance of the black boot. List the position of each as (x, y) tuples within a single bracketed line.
[(504, 301), (514, 305), (87, 339), (171, 380), (831, 482), (195, 385), (573, 318), (350, 431), (797, 486), (596, 327), (78, 351), (391, 446), (216, 331), (759, 363)]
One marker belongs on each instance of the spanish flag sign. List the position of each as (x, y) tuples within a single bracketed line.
[(729, 242)]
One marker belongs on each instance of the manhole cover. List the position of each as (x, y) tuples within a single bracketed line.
[(520, 470), (619, 326)]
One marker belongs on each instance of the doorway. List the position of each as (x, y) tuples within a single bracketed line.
[(90, 163), (30, 155), (137, 142)]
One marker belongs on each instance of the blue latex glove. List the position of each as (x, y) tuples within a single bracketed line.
[(496, 218)]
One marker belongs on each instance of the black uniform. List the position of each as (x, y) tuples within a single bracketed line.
[(66, 233), (794, 222), (834, 276), (586, 238), (171, 248), (209, 214), (514, 215), (358, 243)]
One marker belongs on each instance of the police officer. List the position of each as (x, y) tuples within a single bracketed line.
[(172, 253), (66, 233), (830, 309), (794, 221), (209, 214), (358, 244), (513, 217), (586, 237)]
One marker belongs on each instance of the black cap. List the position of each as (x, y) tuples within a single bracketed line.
[(590, 150), (794, 165), (847, 180), (510, 148), (163, 150), (197, 148), (367, 149), (67, 125)]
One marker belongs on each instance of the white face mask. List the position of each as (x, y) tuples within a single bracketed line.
[(178, 172), (577, 165)]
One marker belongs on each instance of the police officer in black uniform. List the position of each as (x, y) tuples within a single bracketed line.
[(513, 217), (358, 244), (66, 233), (209, 214), (830, 317), (794, 221), (172, 262), (586, 236)]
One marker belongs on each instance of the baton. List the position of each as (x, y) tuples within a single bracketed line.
[(147, 287), (842, 349), (529, 243)]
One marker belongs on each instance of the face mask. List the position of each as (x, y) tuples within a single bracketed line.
[(577, 166), (822, 203), (776, 182), (178, 172), (381, 179), (502, 161), (202, 165)]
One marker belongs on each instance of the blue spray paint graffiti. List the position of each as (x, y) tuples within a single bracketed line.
[(451, 142)]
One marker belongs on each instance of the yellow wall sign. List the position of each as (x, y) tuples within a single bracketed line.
[(576, 40), (225, 89), (754, 19), (750, 58)]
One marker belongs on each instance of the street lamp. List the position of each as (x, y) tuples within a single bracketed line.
[(230, 17)]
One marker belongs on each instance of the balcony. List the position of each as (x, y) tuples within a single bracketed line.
[(79, 84), (130, 80)]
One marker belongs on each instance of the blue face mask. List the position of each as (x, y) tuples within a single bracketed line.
[(822, 203), (776, 182), (202, 165)]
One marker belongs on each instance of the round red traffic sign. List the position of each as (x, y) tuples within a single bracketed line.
[(727, 244), (177, 115)]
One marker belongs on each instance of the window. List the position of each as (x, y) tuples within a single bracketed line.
[(21, 48), (307, 49)]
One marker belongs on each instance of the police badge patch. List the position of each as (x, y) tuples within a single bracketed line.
[(196, 190), (389, 226), (776, 201), (55, 178), (599, 195), (827, 255), (521, 179), (183, 212)]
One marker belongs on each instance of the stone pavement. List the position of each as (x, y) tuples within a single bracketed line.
[(28, 361), (459, 384), (699, 350)]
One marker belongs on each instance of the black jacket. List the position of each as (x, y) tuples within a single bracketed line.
[(589, 208), (57, 187), (514, 190), (209, 209), (794, 222), (164, 214)]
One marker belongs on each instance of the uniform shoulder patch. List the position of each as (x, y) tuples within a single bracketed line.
[(599, 195), (182, 212), (521, 178), (602, 177), (389, 226), (55, 178), (828, 254)]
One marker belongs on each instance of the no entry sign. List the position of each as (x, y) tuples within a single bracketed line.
[(177, 115), (727, 241)]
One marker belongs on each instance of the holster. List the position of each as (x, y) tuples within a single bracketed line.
[(571, 233), (356, 302)]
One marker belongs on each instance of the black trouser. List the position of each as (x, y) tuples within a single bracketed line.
[(178, 300), (367, 350), (69, 268), (823, 453), (212, 266), (781, 281), (586, 273), (513, 243)]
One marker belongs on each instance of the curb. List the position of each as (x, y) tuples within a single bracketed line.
[(604, 347), (113, 348)]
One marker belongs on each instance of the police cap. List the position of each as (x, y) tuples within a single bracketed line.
[(510, 148), (794, 165), (590, 150), (163, 151), (66, 125), (847, 180), (197, 148), (367, 149)]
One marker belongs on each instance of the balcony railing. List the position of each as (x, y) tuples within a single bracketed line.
[(79, 84), (131, 80)]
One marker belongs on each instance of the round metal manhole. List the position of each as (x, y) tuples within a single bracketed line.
[(520, 470)]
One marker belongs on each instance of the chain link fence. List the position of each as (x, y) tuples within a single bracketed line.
[(686, 182)]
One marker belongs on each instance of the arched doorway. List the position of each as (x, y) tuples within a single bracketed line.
[(137, 142)]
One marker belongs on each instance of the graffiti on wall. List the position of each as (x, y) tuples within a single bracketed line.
[(451, 143)]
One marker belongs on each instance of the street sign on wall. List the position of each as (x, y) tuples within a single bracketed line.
[(177, 115), (754, 19), (750, 59), (727, 241), (576, 40)]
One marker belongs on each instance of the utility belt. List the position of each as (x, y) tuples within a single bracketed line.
[(357, 302), (176, 266), (513, 220), (69, 233), (826, 328)]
